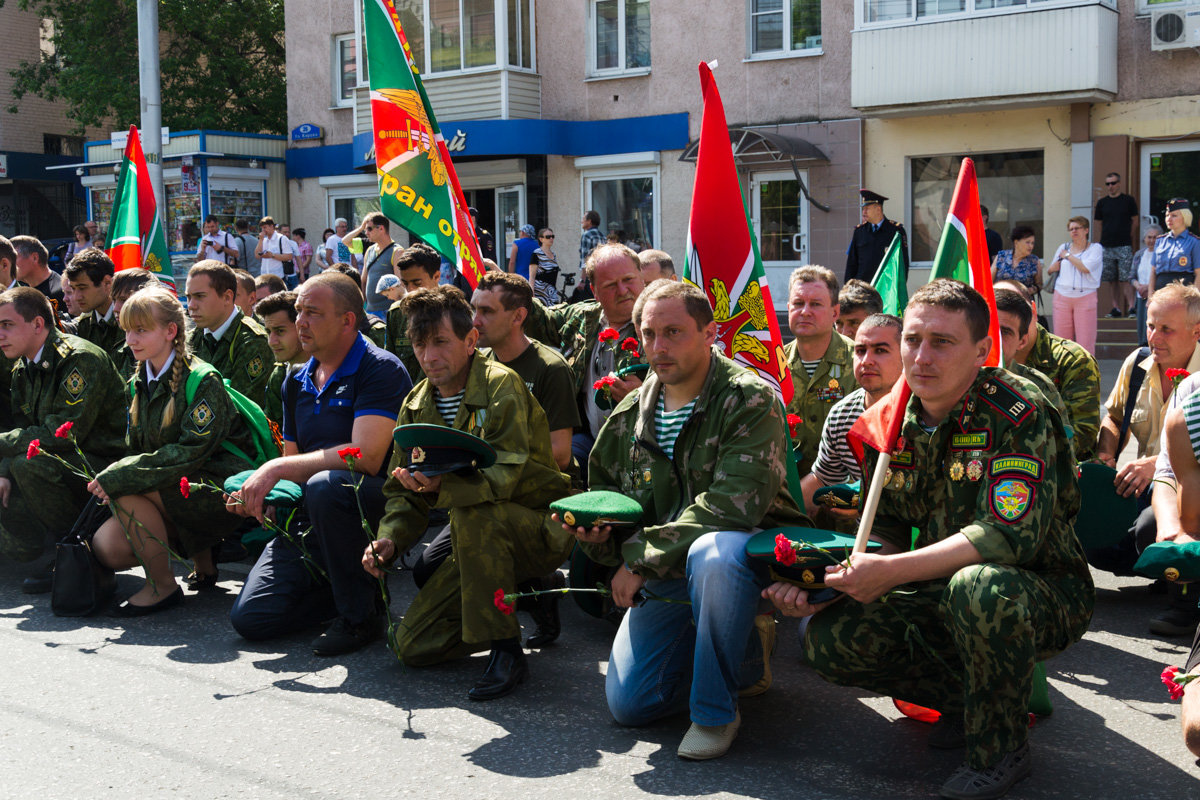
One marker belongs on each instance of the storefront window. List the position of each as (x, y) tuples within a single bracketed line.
[(102, 204), (626, 208), (183, 218), (229, 203), (1011, 185)]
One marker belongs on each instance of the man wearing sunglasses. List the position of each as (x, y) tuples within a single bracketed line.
[(1116, 221)]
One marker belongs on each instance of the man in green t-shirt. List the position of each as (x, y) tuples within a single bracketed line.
[(278, 315)]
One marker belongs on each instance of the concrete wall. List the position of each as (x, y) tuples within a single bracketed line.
[(1145, 73), (310, 28)]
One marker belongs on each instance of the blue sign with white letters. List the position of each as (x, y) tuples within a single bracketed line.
[(307, 131)]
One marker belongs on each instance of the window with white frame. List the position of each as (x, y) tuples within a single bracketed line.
[(784, 27), (1147, 6), (345, 69), (618, 36), (627, 201), (520, 33), (461, 34), (906, 11)]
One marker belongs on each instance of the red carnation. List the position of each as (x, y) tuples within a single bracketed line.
[(34, 448), (498, 600), (64, 430), (794, 422), (609, 335), (1176, 375), (350, 454), (630, 345), (604, 383), (185, 488), (785, 552), (1168, 677)]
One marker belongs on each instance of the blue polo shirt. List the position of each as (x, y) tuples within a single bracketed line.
[(369, 381), (1176, 254)]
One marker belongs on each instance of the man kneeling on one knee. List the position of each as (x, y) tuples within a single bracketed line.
[(996, 581), (500, 527), (702, 446)]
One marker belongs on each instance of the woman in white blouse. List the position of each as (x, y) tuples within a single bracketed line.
[(1078, 265), (1143, 268)]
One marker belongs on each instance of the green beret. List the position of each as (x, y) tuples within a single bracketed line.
[(814, 548), (284, 494), (1104, 516), (839, 495), (1175, 561), (604, 400), (589, 509), (438, 449)]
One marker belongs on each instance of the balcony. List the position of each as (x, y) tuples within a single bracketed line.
[(491, 94), (978, 62)]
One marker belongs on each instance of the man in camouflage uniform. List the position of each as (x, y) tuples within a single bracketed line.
[(90, 275), (996, 580), (701, 446), (1074, 372), (57, 378), (225, 337), (419, 267), (500, 526), (278, 313), (615, 275), (8, 277), (812, 312)]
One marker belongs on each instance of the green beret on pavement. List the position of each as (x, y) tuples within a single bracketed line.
[(1104, 516), (839, 495), (1174, 561), (589, 509), (438, 449), (284, 494), (604, 399), (812, 549)]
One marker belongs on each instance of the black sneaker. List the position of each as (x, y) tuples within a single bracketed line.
[(343, 637), (990, 783), (1176, 621), (1114, 314)]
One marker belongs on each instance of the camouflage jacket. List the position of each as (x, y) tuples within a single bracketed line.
[(578, 327), (813, 397), (727, 472), (376, 331), (189, 445), (242, 355), (1051, 393), (1076, 375), (399, 345), (498, 408), (74, 381), (272, 402), (999, 470), (105, 334)]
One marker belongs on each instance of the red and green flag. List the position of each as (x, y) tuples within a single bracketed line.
[(722, 254), (418, 188), (135, 232), (889, 279)]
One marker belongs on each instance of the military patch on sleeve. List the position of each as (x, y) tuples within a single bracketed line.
[(255, 367), (202, 415), (1011, 499), (1004, 398), (1016, 465), (75, 384)]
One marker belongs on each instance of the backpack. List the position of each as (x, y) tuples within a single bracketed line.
[(266, 445)]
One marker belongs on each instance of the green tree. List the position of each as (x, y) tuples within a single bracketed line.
[(222, 63)]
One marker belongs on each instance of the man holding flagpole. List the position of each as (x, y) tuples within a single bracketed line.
[(996, 580)]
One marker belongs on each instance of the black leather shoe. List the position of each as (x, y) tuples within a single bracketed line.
[(504, 673), (127, 609), (343, 637), (544, 610), (40, 582)]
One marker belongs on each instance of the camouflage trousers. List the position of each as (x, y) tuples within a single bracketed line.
[(983, 631), (493, 546), (46, 498)]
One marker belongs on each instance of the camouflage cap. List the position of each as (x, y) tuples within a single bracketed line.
[(283, 494), (839, 495), (1104, 516), (589, 509), (814, 549), (438, 449), (1174, 561)]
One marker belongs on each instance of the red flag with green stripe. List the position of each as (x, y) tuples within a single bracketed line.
[(135, 233), (418, 187)]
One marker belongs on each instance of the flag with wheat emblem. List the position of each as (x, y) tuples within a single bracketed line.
[(418, 188), (135, 231), (722, 254)]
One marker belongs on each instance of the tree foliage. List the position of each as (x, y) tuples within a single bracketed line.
[(221, 62)]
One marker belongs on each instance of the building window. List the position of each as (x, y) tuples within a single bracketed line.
[(462, 34), (627, 203), (1011, 185), (345, 69), (520, 34), (1146, 6), (619, 36), (784, 27), (906, 11), (54, 144)]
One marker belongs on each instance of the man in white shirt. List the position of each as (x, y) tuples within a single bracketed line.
[(273, 248), (217, 244)]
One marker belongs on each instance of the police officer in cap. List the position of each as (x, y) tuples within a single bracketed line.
[(871, 239)]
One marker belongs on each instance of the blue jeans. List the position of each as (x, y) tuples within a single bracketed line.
[(668, 657), (581, 448)]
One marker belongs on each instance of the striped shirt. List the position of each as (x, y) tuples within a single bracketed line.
[(835, 461), (810, 366), (448, 406), (668, 424), (1180, 397)]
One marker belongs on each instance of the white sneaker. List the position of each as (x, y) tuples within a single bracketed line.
[(702, 742)]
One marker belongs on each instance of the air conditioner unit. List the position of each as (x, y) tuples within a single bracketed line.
[(1175, 28)]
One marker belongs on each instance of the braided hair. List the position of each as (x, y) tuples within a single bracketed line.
[(154, 306)]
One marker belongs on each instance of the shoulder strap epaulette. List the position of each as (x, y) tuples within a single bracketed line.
[(1011, 404)]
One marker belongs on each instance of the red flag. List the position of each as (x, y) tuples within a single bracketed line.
[(135, 233), (722, 254)]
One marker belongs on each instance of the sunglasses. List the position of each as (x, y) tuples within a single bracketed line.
[(1111, 183), (548, 236)]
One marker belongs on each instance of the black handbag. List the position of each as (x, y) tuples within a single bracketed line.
[(82, 585)]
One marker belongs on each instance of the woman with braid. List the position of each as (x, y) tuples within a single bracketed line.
[(170, 437)]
